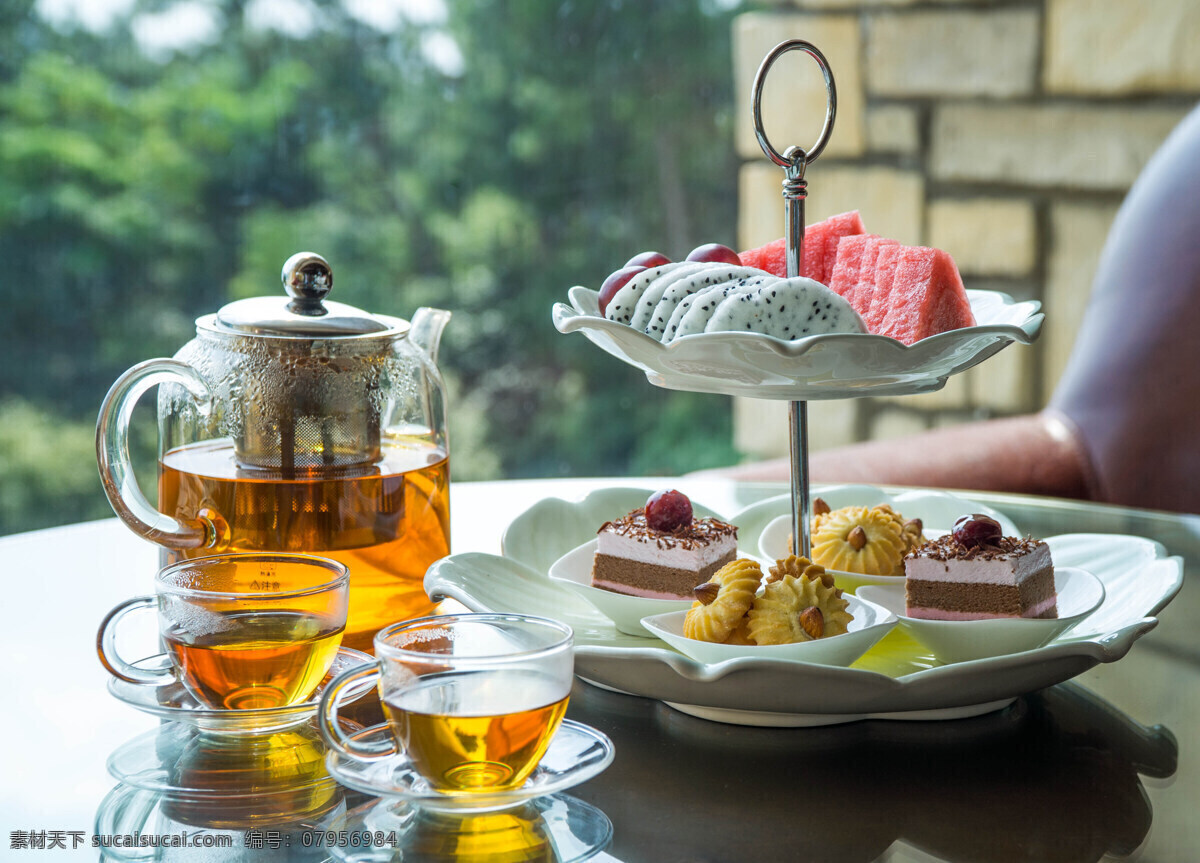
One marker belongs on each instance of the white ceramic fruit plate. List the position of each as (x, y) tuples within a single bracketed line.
[(897, 678), (574, 572), (871, 622), (1079, 594), (938, 510), (830, 366)]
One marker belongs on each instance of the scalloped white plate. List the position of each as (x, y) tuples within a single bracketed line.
[(831, 366), (1079, 594), (938, 510), (895, 679)]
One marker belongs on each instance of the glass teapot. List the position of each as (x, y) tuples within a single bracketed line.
[(300, 425)]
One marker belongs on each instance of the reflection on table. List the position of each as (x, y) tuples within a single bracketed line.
[(186, 794), (1054, 777)]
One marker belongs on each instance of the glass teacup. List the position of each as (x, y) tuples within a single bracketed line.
[(242, 631), (473, 700)]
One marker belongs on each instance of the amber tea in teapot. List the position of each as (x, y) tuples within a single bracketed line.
[(297, 426), (386, 523)]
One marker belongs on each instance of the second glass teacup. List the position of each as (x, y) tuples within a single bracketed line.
[(473, 700), (242, 631)]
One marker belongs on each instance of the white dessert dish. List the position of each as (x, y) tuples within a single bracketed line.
[(871, 622), (535, 537), (574, 571), (1079, 594), (828, 366)]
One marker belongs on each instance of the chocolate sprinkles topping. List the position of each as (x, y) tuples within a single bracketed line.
[(948, 548), (700, 532)]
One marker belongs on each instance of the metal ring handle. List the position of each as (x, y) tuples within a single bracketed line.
[(794, 158)]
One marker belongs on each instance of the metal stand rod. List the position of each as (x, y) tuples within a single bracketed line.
[(794, 160), (798, 423)]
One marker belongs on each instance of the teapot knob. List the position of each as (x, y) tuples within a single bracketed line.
[(307, 278)]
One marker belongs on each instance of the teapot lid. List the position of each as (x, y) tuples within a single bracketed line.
[(307, 278)]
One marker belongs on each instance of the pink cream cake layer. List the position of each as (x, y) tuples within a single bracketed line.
[(614, 587), (940, 614)]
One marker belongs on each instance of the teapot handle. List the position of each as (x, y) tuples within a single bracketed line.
[(116, 470)]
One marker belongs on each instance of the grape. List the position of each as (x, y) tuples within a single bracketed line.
[(714, 253), (614, 283), (977, 530), (668, 510), (648, 259)]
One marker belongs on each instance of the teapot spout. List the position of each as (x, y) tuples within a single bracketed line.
[(426, 330)]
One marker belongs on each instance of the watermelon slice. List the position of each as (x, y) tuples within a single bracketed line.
[(882, 278), (865, 289), (836, 227), (772, 257), (926, 296), (843, 279), (906, 292), (820, 248)]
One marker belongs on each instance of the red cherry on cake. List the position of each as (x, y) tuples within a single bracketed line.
[(975, 530), (714, 253), (648, 259), (668, 510), (615, 282)]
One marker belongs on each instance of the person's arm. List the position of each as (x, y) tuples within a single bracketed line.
[(1035, 454)]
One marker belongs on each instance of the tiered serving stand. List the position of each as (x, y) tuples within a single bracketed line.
[(1138, 576), (833, 366)]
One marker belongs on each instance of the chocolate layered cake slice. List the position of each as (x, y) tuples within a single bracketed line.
[(1005, 577), (636, 559)]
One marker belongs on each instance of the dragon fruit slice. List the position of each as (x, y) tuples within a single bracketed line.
[(682, 278), (654, 291), (716, 292), (787, 309), (695, 311), (713, 275), (624, 302)]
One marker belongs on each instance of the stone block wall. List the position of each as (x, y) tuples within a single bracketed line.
[(1004, 131)]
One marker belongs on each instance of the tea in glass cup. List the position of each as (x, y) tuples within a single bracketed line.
[(473, 700), (242, 631)]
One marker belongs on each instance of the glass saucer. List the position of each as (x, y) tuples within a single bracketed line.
[(174, 703), (576, 754), (557, 827)]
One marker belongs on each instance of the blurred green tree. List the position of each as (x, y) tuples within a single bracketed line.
[(482, 163)]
